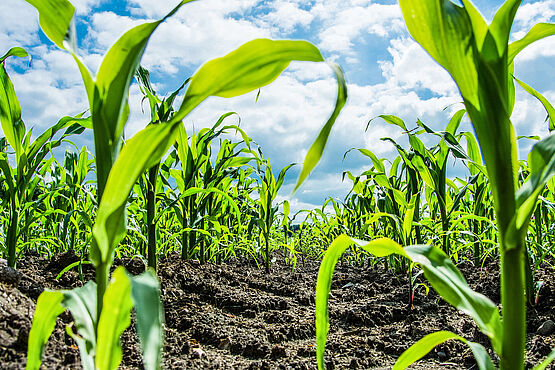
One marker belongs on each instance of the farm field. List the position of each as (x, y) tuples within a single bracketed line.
[(173, 245), (232, 316)]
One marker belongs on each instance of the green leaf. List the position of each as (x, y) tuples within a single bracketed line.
[(10, 110), (445, 30), (379, 247), (377, 162), (500, 27), (392, 120), (453, 288), (537, 32), (286, 211), (317, 148), (115, 318), (145, 291), (546, 104), (426, 344), (49, 307), (409, 216), (541, 161), (423, 171), (16, 51), (56, 20), (110, 108), (549, 359), (81, 302), (254, 64), (141, 152)]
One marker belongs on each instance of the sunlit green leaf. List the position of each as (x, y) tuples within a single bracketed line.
[(145, 291), (115, 318), (49, 307)]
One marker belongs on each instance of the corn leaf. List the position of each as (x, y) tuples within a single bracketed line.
[(49, 307), (141, 152), (453, 288), (438, 269), (425, 345), (541, 161), (537, 32), (379, 247), (145, 291), (254, 64), (392, 120), (445, 31), (56, 20), (81, 302), (545, 363), (546, 104), (500, 27), (10, 110), (115, 318)]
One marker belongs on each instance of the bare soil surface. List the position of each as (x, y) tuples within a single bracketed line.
[(234, 316)]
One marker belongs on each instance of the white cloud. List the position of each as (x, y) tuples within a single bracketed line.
[(198, 32), (83, 7), (17, 24), (343, 24), (412, 68), (531, 13), (286, 15)]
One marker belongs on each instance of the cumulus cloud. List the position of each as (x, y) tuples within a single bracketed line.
[(343, 23), (286, 15)]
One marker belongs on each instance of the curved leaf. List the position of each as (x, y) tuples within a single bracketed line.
[(426, 344), (141, 152), (49, 307), (548, 360), (145, 291), (254, 64), (115, 318), (537, 32), (56, 20), (541, 161), (453, 288), (10, 110), (379, 247), (317, 148), (546, 104), (81, 302)]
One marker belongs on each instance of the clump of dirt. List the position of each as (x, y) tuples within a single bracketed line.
[(235, 316)]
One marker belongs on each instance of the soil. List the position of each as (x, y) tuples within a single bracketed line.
[(235, 316)]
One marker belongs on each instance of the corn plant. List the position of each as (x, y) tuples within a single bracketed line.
[(29, 155), (267, 191), (480, 59), (161, 111), (102, 310)]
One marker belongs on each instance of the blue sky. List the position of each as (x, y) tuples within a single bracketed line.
[(387, 73)]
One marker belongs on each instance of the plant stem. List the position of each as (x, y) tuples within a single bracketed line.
[(101, 284), (514, 310), (12, 234), (150, 213)]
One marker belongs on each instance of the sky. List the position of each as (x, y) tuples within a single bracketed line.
[(387, 73)]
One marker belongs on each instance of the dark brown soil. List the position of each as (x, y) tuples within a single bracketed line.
[(235, 316)]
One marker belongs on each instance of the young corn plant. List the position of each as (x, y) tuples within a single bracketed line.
[(161, 111), (267, 190), (101, 309), (480, 59), (29, 155)]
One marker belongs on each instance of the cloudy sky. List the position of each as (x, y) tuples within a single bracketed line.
[(386, 71)]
